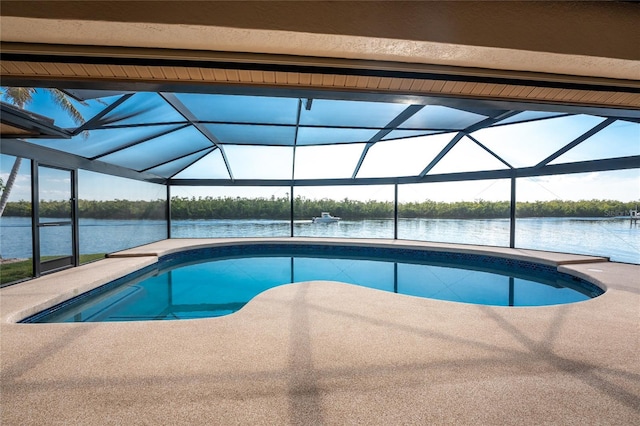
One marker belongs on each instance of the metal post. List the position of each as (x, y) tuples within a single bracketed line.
[(395, 213), (512, 214), (168, 211), (35, 214), (75, 218), (291, 211)]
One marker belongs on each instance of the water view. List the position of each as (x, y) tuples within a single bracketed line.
[(618, 239)]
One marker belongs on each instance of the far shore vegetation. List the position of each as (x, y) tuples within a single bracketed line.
[(183, 208)]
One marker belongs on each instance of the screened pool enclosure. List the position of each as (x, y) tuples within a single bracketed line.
[(145, 166)]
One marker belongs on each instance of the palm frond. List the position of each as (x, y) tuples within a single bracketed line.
[(62, 100), (19, 96)]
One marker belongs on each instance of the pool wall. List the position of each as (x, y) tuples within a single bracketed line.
[(66, 285), (516, 268)]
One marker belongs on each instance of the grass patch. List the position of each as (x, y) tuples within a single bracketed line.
[(86, 258), (15, 271)]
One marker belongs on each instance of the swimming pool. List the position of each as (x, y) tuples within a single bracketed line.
[(217, 281)]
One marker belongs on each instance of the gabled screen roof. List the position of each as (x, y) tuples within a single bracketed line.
[(227, 137)]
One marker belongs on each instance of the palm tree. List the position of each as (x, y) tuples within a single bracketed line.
[(21, 96)]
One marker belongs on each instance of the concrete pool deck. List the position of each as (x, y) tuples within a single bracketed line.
[(327, 353)]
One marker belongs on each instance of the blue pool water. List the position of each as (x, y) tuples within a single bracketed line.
[(219, 281)]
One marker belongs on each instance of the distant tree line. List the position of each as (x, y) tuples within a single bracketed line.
[(275, 208), (112, 209), (278, 208)]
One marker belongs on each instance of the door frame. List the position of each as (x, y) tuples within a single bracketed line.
[(40, 268)]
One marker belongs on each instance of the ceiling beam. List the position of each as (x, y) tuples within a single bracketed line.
[(182, 109), (204, 152), (392, 125), (295, 137), (575, 142), (496, 156), (96, 120), (470, 129), (53, 157), (610, 164), (442, 153), (138, 142), (36, 126)]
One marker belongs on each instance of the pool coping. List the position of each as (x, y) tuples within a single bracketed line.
[(173, 245), (25, 299)]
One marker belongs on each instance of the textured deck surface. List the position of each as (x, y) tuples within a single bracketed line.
[(328, 353)]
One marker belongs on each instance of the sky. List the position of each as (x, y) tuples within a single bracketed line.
[(520, 145)]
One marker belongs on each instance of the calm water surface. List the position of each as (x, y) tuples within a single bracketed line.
[(220, 287), (619, 239)]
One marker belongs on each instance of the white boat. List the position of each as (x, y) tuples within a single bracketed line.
[(325, 217)]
